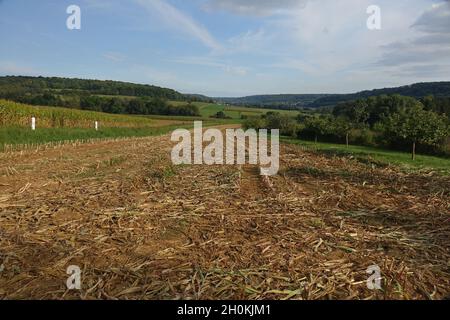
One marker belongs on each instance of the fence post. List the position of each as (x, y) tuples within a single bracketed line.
[(33, 123), (96, 125)]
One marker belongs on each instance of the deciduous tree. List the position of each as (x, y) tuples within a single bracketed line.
[(416, 125)]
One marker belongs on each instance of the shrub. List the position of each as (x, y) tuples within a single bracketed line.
[(287, 125), (254, 123)]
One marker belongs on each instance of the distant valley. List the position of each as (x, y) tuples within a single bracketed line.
[(299, 101)]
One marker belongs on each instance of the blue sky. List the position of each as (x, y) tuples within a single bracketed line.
[(230, 47)]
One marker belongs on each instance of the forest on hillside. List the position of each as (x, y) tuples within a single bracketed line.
[(16, 86), (314, 101), (95, 95)]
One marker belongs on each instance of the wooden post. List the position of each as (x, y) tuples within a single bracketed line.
[(414, 151)]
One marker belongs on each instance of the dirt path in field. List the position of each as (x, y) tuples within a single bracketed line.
[(250, 182), (141, 228)]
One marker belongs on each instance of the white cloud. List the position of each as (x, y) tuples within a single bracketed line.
[(114, 56), (426, 53), (248, 41), (180, 21), (297, 64), (214, 63), (329, 38), (324, 45), (96, 4), (436, 19), (13, 68), (254, 7), (326, 37), (149, 74)]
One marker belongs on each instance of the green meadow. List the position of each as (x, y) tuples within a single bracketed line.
[(377, 156)]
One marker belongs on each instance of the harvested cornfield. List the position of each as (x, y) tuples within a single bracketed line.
[(141, 228)]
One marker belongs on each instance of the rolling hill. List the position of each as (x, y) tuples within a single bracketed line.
[(279, 101), (72, 92), (296, 101), (13, 85)]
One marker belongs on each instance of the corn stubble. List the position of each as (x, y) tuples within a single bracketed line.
[(140, 228)]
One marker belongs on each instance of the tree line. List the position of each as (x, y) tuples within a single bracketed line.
[(95, 95), (315, 101), (417, 91), (138, 106), (12, 85), (391, 121)]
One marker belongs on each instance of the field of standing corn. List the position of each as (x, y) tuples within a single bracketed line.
[(19, 115)]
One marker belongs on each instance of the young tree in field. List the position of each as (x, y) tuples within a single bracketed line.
[(318, 126), (416, 125), (342, 127)]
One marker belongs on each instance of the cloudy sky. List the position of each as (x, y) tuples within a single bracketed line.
[(231, 47)]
